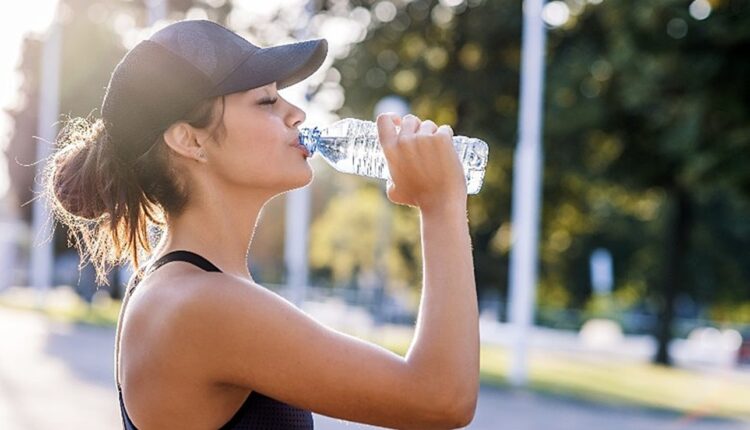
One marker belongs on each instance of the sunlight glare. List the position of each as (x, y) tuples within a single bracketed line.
[(31, 16)]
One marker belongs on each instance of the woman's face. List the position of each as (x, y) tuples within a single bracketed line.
[(258, 146)]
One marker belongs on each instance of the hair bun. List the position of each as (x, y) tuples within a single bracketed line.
[(77, 168)]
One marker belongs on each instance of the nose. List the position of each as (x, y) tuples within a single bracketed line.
[(296, 116)]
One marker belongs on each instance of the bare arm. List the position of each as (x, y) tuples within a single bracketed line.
[(446, 344), (427, 174)]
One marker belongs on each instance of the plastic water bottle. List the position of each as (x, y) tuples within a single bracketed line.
[(352, 146)]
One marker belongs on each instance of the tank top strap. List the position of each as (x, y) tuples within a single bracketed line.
[(186, 256)]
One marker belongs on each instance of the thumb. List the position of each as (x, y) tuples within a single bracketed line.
[(387, 128)]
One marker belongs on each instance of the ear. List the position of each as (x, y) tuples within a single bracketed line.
[(181, 138)]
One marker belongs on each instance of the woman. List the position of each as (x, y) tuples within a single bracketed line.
[(193, 141)]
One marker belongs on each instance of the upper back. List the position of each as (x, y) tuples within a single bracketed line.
[(152, 371), (149, 308), (169, 385)]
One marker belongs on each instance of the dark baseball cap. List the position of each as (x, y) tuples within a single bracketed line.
[(164, 77)]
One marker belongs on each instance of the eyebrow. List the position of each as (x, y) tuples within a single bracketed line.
[(271, 87), (259, 93)]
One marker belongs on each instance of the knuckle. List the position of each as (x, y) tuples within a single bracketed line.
[(447, 138), (408, 139)]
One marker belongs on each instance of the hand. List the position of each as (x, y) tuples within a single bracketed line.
[(424, 167)]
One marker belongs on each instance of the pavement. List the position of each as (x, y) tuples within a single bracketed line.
[(60, 375)]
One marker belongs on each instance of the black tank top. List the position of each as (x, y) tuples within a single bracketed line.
[(258, 412)]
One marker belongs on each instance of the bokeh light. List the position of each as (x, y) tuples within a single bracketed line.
[(700, 9), (556, 13)]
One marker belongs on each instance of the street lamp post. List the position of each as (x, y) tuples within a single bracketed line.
[(41, 263), (527, 174), (298, 220)]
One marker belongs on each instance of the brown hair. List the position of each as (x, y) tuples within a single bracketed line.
[(108, 204)]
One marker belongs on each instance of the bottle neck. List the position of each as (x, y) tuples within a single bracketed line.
[(310, 138)]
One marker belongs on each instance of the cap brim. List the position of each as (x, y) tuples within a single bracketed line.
[(284, 64)]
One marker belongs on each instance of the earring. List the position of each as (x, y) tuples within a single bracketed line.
[(202, 154)]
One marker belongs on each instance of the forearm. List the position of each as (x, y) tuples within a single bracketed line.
[(446, 342)]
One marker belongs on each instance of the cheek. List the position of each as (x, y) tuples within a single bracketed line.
[(263, 160), (256, 153), (249, 141)]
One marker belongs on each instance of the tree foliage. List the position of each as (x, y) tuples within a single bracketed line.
[(646, 138)]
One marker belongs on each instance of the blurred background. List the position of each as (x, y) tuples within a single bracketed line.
[(638, 298)]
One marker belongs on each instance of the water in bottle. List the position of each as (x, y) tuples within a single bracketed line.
[(352, 146)]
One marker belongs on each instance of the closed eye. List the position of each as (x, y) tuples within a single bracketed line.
[(269, 101)]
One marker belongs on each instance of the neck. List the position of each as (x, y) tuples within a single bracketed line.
[(217, 227)]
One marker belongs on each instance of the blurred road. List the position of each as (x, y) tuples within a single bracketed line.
[(60, 376)]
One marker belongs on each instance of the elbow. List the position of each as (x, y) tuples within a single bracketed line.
[(464, 413), (465, 419), (456, 419), (448, 415), (460, 409), (450, 405)]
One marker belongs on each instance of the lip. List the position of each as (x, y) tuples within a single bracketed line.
[(296, 143)]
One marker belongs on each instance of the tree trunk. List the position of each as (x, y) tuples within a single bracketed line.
[(677, 233)]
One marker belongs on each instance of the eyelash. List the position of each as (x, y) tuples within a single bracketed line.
[(269, 101)]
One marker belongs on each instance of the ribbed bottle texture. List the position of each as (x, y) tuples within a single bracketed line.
[(351, 146)]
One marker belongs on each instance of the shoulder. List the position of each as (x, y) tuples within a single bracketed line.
[(179, 294), (181, 301), (181, 284), (196, 307), (214, 292), (222, 325), (179, 314)]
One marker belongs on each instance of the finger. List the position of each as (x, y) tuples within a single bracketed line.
[(409, 124), (446, 130), (387, 128), (394, 116), (427, 127)]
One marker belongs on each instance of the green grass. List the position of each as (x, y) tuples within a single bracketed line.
[(643, 384), (103, 314), (691, 393)]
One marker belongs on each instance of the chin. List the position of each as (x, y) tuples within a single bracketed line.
[(301, 180), (307, 180)]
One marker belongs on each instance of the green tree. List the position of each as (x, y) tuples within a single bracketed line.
[(645, 138), (457, 66), (660, 108), (362, 232)]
